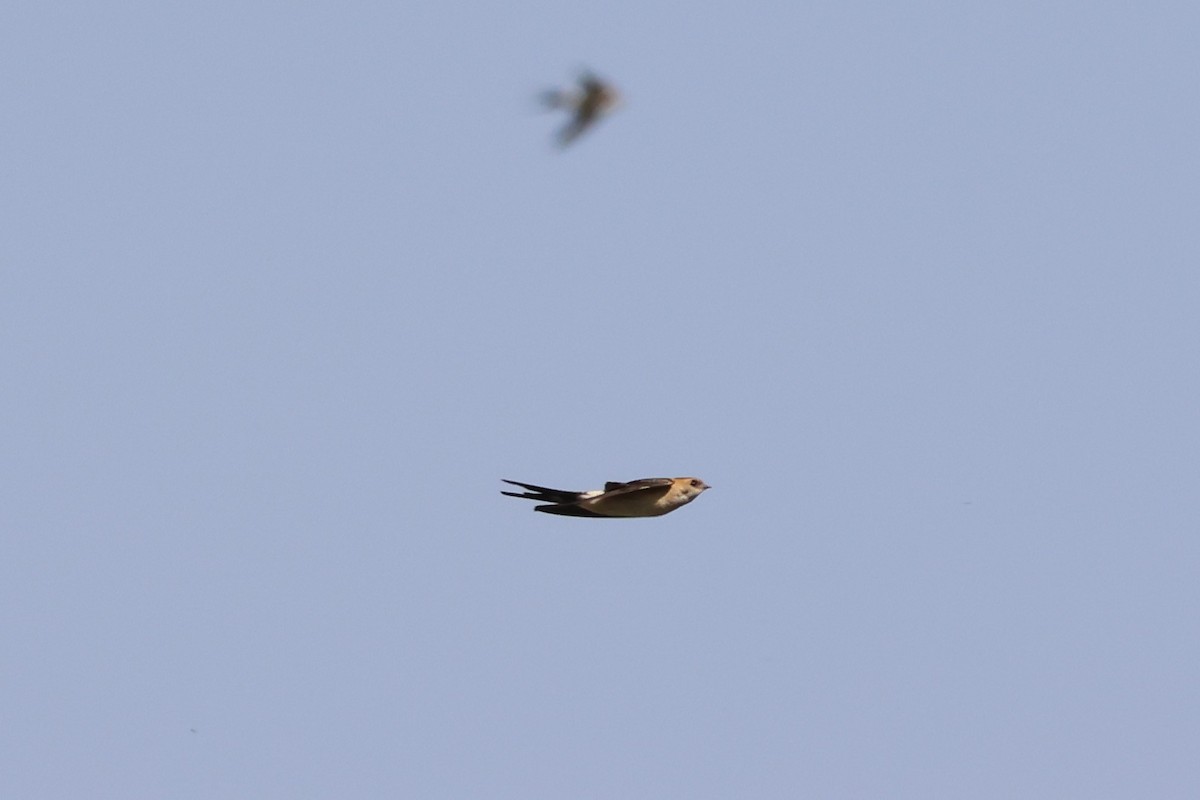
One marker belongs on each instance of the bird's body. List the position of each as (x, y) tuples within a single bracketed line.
[(648, 497), (589, 103)]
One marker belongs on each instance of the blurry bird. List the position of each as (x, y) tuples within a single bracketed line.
[(649, 497), (592, 100)]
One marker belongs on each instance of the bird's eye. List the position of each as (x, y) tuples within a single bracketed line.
[(695, 482)]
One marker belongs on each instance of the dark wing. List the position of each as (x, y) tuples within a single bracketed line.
[(557, 98), (590, 84), (660, 485), (580, 123), (568, 510)]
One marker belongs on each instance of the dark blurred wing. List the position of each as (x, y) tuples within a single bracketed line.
[(573, 129), (556, 98)]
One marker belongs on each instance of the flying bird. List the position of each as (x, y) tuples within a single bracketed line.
[(592, 100), (648, 497)]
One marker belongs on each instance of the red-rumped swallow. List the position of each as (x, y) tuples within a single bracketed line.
[(589, 103), (648, 497)]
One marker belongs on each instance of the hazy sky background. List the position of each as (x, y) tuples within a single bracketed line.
[(286, 288)]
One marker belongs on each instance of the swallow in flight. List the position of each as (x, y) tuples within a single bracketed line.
[(648, 497), (592, 100)]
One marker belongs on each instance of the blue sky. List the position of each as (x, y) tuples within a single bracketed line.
[(285, 290)]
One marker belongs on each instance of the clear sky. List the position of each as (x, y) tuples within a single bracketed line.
[(286, 289)]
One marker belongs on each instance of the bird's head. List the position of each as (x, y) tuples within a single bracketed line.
[(692, 487)]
